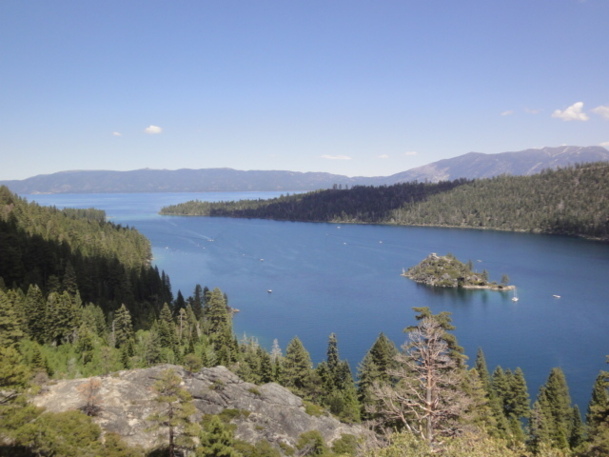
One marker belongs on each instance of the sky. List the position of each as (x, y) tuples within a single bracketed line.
[(352, 87)]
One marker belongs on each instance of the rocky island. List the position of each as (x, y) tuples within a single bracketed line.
[(447, 271)]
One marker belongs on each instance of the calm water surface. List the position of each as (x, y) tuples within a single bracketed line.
[(346, 279)]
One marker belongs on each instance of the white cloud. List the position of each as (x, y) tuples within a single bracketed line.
[(410, 153), (605, 144), (532, 110), (508, 113), (153, 130), (117, 134), (602, 111), (384, 156), (572, 113), (339, 157)]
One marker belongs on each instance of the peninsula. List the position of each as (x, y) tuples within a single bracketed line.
[(447, 271)]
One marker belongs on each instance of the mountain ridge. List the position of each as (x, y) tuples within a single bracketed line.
[(472, 165)]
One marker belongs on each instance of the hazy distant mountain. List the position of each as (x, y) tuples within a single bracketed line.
[(471, 165), (477, 165), (184, 180)]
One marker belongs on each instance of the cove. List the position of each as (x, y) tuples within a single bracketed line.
[(346, 279)]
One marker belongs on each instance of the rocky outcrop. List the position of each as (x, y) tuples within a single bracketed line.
[(447, 271), (267, 412)]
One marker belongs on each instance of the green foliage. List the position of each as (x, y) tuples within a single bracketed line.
[(297, 370), (68, 434), (568, 201), (447, 271), (347, 444), (174, 411), (76, 252), (375, 368), (10, 322), (216, 440), (428, 396), (311, 443)]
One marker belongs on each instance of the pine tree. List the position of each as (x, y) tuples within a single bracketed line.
[(577, 429), (35, 310), (518, 401), (332, 353), (122, 327), (10, 323), (62, 317), (445, 322), (196, 301), (539, 429), (428, 398), (597, 414), (555, 402), (297, 369), (216, 440), (166, 328), (482, 369), (174, 411), (374, 368), (219, 327)]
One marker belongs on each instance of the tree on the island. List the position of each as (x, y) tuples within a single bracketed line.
[(505, 279), (174, 411), (427, 398)]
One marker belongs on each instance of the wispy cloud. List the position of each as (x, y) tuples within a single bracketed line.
[(572, 113), (117, 134), (532, 110), (384, 156), (605, 144), (338, 157), (602, 111), (410, 153), (508, 112), (153, 130)]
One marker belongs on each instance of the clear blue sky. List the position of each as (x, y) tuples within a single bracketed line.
[(350, 87)]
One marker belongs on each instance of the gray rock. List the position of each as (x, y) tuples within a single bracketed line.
[(267, 412)]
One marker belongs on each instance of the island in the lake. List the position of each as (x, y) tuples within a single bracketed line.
[(447, 271)]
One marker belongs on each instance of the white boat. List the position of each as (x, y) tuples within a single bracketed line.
[(515, 297)]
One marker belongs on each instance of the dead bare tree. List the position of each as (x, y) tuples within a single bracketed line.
[(426, 396), (89, 391)]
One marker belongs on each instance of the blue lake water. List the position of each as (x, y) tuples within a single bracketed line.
[(346, 279)]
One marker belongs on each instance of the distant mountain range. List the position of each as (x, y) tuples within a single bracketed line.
[(472, 165)]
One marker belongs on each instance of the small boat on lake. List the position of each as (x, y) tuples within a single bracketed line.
[(515, 297)]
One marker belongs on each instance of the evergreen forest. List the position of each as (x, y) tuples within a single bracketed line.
[(571, 201), (79, 298)]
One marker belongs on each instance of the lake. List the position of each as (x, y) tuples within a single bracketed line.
[(346, 279)]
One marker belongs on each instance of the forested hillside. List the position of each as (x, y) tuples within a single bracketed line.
[(78, 251), (420, 399), (570, 201)]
